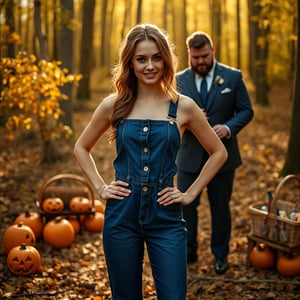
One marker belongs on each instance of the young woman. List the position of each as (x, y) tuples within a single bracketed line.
[(147, 118)]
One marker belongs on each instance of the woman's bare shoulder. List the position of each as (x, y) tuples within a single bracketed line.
[(186, 104), (108, 101), (106, 104)]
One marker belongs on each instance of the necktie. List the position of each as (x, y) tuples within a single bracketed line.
[(203, 91)]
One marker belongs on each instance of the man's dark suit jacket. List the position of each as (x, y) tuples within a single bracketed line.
[(228, 103)]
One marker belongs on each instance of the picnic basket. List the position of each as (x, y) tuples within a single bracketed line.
[(65, 187), (271, 225)]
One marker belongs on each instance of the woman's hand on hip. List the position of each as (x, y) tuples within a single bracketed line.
[(170, 195), (116, 190)]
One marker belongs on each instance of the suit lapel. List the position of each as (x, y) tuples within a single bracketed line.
[(214, 87), (191, 86)]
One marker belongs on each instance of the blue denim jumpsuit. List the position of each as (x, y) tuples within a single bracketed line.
[(146, 153)]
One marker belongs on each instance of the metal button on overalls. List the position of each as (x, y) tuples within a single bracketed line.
[(146, 154)]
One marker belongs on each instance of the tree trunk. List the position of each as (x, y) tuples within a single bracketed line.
[(238, 35), (66, 56), (292, 161), (103, 37), (38, 30), (86, 50), (216, 17), (179, 28), (252, 38), (49, 150), (259, 55), (10, 22), (139, 11)]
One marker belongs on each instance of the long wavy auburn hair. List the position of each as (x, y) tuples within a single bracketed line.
[(124, 79)]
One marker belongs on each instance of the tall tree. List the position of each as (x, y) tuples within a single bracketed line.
[(10, 22), (259, 30), (103, 33), (292, 161), (139, 11), (216, 24), (49, 151), (67, 57), (179, 28), (253, 33), (86, 49), (38, 30), (238, 34)]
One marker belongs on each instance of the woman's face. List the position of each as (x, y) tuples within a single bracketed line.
[(147, 62)]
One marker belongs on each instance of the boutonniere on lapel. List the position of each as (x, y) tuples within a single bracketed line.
[(218, 80)]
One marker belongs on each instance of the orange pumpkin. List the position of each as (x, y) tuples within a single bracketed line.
[(79, 204), (33, 220), (262, 257), (289, 265), (99, 206), (59, 233), (17, 234), (75, 223), (53, 204), (94, 223), (24, 260)]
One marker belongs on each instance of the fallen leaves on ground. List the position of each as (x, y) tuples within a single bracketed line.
[(79, 272)]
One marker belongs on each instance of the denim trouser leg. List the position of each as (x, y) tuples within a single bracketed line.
[(168, 262), (190, 212), (128, 225), (124, 259)]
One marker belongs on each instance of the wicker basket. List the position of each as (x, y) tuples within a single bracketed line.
[(274, 228), (65, 186)]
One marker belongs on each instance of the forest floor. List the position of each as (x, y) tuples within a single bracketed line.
[(79, 272)]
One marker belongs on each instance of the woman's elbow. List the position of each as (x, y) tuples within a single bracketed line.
[(77, 149), (224, 154)]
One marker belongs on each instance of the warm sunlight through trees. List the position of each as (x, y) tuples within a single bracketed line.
[(257, 36)]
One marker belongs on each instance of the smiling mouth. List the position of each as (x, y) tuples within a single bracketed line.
[(151, 75)]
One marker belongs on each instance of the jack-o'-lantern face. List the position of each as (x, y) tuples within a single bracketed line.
[(16, 235), (54, 204), (23, 260)]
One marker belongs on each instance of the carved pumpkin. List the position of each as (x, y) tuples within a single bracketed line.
[(59, 233), (99, 206), (33, 220), (80, 204), (23, 260), (94, 223), (289, 265), (17, 234), (262, 257), (53, 204)]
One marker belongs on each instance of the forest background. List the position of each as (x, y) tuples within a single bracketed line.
[(56, 58), (258, 37)]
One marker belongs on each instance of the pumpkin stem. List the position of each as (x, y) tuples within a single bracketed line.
[(20, 224), (57, 219), (23, 246), (27, 214), (261, 247)]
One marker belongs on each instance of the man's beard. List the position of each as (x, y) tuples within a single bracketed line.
[(201, 70)]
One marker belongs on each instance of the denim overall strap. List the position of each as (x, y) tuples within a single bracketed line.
[(172, 114), (173, 110), (146, 153)]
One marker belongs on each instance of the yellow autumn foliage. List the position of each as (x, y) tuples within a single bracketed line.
[(31, 93)]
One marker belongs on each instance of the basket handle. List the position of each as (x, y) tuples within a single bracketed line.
[(63, 177), (278, 188)]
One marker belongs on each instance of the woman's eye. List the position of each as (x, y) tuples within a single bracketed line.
[(157, 58), (140, 59)]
